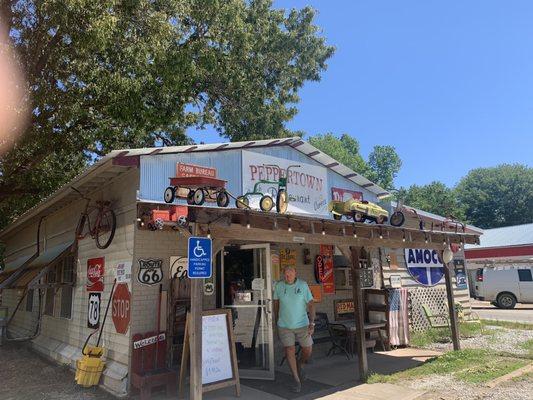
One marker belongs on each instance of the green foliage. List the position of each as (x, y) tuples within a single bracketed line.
[(383, 163), (435, 198), (103, 75), (469, 365), (497, 196), (444, 335)]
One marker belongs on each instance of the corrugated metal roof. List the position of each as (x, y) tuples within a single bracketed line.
[(517, 235), (65, 194)]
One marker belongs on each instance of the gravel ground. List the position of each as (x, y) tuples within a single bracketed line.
[(49, 383), (499, 339), (446, 387)]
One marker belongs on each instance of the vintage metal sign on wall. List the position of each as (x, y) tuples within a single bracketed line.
[(95, 274), (121, 308), (425, 266), (150, 271), (93, 311)]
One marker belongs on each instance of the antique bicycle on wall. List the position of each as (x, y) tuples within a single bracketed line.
[(103, 225)]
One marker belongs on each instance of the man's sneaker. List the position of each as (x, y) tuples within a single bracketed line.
[(297, 387)]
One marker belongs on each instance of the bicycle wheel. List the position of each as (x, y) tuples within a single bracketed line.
[(104, 231)]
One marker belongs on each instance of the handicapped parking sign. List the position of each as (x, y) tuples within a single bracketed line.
[(200, 257)]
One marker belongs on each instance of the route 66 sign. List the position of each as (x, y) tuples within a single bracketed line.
[(150, 271), (93, 311)]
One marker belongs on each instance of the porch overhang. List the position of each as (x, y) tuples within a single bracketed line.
[(249, 225)]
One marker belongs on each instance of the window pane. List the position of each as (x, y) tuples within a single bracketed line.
[(66, 301), (29, 300), (524, 275), (49, 304), (68, 270)]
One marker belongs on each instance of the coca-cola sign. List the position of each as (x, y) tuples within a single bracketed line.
[(95, 274)]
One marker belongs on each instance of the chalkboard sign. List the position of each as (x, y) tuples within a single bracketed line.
[(216, 355), (219, 357)]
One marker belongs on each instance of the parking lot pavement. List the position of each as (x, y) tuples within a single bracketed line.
[(521, 312)]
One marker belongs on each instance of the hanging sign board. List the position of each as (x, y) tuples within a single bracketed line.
[(93, 311), (200, 257), (95, 274), (307, 184), (219, 357), (424, 265)]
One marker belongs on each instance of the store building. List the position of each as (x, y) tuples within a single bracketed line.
[(57, 279), (510, 246)]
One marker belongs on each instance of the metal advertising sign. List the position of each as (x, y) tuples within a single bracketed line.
[(95, 274), (200, 257), (148, 341), (460, 274), (179, 267), (121, 308), (123, 272), (93, 311), (339, 194), (425, 266), (150, 271)]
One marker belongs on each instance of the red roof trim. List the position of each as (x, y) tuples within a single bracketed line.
[(471, 254)]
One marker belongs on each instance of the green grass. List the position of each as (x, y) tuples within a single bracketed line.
[(508, 324), (528, 345), (444, 335), (469, 365)]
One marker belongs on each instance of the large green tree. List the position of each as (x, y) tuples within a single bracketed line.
[(436, 198), (497, 196), (383, 162), (113, 74)]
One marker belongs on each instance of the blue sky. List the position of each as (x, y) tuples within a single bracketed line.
[(448, 83)]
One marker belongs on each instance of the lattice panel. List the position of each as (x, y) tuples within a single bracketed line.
[(434, 298)]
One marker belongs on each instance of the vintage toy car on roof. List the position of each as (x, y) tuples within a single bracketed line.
[(360, 211)]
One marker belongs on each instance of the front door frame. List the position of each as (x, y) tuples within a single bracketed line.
[(268, 307)]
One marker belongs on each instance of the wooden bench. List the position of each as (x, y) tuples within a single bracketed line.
[(149, 368)]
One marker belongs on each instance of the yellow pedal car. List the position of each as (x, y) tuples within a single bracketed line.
[(360, 211)]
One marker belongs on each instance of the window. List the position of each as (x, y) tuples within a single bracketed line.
[(29, 300), (524, 275), (49, 301), (61, 278), (66, 302)]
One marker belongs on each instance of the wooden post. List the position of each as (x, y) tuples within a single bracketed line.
[(451, 307), (195, 335), (359, 314)]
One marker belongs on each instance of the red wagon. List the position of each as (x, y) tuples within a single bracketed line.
[(197, 190)]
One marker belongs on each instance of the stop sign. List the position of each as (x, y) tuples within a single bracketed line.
[(121, 311)]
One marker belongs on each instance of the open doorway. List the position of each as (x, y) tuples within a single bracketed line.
[(246, 288)]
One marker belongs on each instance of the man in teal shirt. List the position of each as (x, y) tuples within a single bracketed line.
[(292, 301)]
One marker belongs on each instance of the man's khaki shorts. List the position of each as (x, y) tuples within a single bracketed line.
[(289, 336)]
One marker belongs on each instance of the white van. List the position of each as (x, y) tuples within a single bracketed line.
[(504, 286)]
